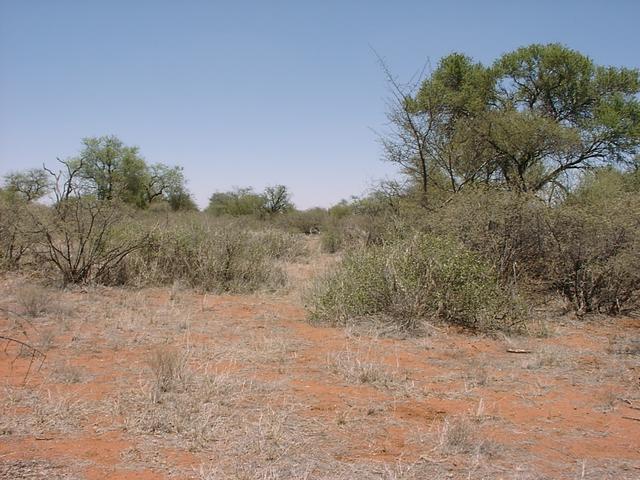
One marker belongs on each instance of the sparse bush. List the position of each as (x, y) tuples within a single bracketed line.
[(212, 259), (308, 221), (459, 435), (280, 245), (357, 368), (420, 277)]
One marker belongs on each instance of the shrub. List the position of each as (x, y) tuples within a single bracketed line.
[(168, 368), (280, 245), (506, 229), (308, 221), (419, 277), (331, 239), (16, 236), (594, 256), (81, 237), (222, 260)]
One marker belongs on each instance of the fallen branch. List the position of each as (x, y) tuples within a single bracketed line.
[(518, 350), (632, 418)]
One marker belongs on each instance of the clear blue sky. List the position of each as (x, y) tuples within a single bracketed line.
[(255, 93)]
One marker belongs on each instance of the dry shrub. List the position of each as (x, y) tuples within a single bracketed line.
[(16, 231), (228, 259), (33, 300), (412, 279), (308, 221), (594, 255), (357, 368), (460, 435), (168, 369), (587, 248)]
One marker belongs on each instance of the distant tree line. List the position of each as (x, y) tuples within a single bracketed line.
[(108, 170)]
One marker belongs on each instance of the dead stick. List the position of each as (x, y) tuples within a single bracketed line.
[(632, 418), (518, 350)]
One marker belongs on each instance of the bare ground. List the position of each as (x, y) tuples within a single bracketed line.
[(171, 384)]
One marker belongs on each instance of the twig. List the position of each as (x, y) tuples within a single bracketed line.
[(632, 418), (518, 350)]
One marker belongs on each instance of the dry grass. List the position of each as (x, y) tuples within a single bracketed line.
[(65, 372), (33, 300), (361, 368), (168, 370), (230, 383), (41, 412)]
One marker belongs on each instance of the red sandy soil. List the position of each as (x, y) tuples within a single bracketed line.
[(568, 409)]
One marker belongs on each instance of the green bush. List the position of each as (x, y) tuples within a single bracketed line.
[(585, 247), (412, 279)]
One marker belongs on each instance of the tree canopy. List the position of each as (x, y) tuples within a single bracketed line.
[(111, 170), (273, 200), (527, 122)]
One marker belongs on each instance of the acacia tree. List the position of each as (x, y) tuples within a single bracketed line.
[(29, 184), (527, 122), (431, 135), (110, 170), (277, 199)]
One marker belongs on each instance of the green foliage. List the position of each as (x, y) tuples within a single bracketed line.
[(275, 200), (16, 231), (411, 279), (530, 121), (235, 203), (586, 248), (594, 254), (112, 171), (331, 239)]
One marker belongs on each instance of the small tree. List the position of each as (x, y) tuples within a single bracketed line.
[(78, 234), (113, 171), (29, 184), (277, 199)]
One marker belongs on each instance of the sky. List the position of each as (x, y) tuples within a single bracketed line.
[(256, 93)]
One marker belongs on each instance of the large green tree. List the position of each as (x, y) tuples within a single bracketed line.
[(527, 122)]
